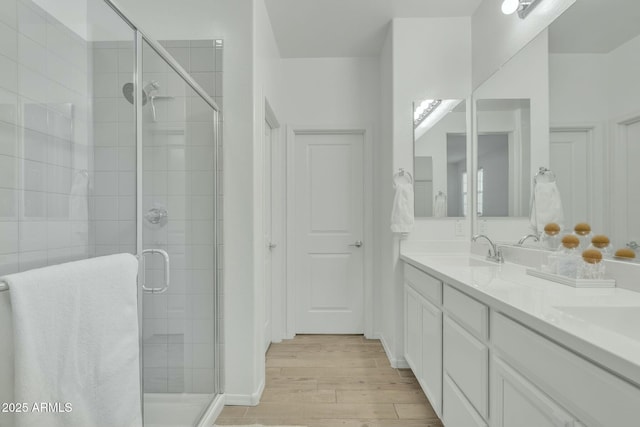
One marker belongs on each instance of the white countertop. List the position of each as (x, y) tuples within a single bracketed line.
[(602, 325)]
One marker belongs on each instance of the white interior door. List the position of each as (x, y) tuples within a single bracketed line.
[(328, 227), (569, 156), (268, 233)]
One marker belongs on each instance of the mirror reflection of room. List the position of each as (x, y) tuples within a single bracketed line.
[(595, 115), (440, 163), (504, 144)]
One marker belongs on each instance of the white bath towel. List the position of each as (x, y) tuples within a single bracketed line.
[(440, 206), (402, 217), (76, 343), (546, 206)]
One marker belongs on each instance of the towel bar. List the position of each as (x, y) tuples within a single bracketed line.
[(4, 286)]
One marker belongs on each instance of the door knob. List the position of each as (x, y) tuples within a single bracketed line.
[(272, 246), (357, 244)]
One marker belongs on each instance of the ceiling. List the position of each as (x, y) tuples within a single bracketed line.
[(348, 28), (595, 26)]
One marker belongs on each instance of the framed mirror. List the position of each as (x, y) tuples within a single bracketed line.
[(440, 158), (503, 132)]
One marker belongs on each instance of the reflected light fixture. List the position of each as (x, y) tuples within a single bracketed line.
[(523, 7), (423, 110)]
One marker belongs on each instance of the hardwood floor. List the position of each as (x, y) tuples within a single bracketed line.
[(335, 380)]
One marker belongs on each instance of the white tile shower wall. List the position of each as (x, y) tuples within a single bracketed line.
[(178, 175), (113, 191), (45, 149)]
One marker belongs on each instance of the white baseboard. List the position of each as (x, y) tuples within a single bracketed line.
[(395, 363), (213, 411), (245, 399)]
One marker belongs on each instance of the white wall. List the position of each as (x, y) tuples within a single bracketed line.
[(575, 81), (382, 199), (624, 69), (266, 86), (330, 91), (497, 37), (422, 67)]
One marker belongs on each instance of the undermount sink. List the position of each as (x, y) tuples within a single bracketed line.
[(623, 320)]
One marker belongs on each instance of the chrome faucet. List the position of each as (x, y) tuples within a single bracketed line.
[(528, 236), (494, 253)]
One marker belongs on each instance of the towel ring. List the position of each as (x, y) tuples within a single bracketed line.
[(544, 175), (403, 173)]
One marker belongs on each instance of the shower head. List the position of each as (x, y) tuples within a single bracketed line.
[(129, 88)]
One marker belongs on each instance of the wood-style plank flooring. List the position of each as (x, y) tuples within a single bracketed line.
[(335, 381)]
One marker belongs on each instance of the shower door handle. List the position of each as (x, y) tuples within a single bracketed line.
[(165, 259)]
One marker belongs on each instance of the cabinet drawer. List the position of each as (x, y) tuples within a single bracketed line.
[(592, 394), (466, 361), (472, 314), (427, 286), (456, 411)]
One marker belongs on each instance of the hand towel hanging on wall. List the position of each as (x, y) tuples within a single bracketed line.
[(546, 204), (402, 218), (440, 205)]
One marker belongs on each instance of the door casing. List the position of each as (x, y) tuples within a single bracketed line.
[(368, 239)]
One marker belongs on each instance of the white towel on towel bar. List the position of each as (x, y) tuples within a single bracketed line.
[(546, 206), (76, 341), (402, 218)]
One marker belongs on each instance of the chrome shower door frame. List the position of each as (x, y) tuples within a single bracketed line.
[(140, 38)]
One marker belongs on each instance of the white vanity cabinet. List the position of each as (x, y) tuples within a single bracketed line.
[(423, 332), (483, 364), (594, 396)]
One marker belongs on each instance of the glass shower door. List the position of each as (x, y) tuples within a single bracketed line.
[(178, 206)]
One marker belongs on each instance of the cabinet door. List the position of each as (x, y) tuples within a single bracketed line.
[(431, 378), (456, 409), (413, 330), (466, 361), (518, 403)]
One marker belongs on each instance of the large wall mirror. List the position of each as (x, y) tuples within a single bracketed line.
[(440, 158), (578, 83), (594, 70)]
